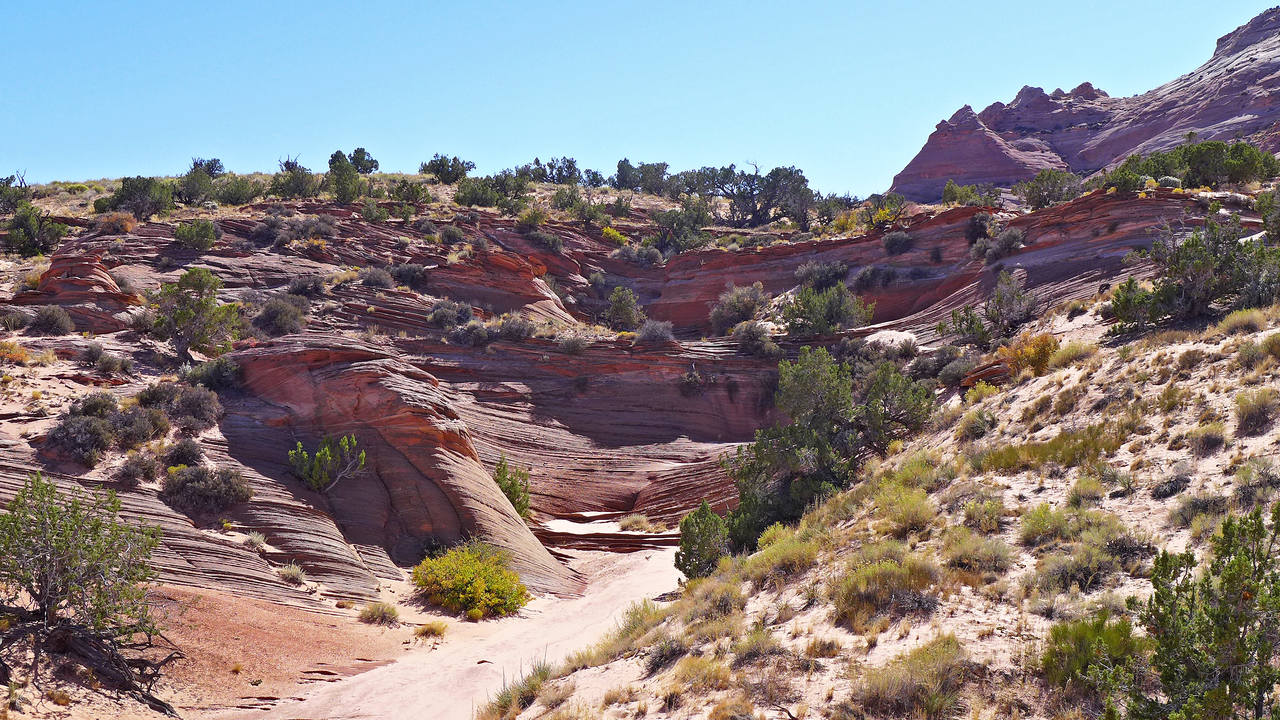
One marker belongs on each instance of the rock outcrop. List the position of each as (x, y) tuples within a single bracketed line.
[(84, 286), (424, 482), (608, 429), (1235, 94)]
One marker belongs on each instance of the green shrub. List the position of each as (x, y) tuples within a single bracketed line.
[(408, 191), (137, 466), (515, 327), (655, 331), (1249, 355), (984, 515), (967, 550), (282, 315), (551, 242), (737, 305), (975, 425), (624, 312), (472, 578), (1084, 567), (51, 320), (452, 234), (197, 234), (335, 460), (519, 694), (136, 425), (895, 584), (613, 236), (821, 275), (141, 196), (822, 312), (380, 613), (410, 274), (84, 438), (447, 170), (572, 343), (897, 242), (33, 232), (1042, 524), (472, 334), (1069, 448), (1249, 320), (908, 510), (1256, 481), (110, 364), (1271, 345), (753, 339), (531, 219), (448, 314), (195, 187), (13, 193), (292, 573), (1086, 492), (376, 278), (1206, 439), (1078, 653), (780, 560), (193, 408), (506, 191), (294, 181), (69, 559), (189, 313), (923, 470), (1254, 409), (923, 682), (202, 489), (1070, 353), (184, 452), (991, 250), (980, 391), (1212, 627), (343, 179), (1192, 506), (371, 211), (217, 374), (234, 190), (1049, 186), (704, 539), (513, 481), (643, 254)]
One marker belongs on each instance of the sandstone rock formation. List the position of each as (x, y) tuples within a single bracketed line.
[(617, 428), (1235, 94)]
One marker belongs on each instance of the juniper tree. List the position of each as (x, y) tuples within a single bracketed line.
[(704, 539)]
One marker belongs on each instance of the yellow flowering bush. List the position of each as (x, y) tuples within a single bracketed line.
[(472, 578)]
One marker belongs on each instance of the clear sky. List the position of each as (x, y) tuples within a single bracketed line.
[(847, 91)]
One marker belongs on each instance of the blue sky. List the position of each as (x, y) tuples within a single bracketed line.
[(847, 91)]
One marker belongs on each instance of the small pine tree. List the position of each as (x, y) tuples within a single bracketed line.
[(335, 460), (624, 313), (71, 560), (188, 311), (513, 480), (363, 162), (32, 232), (343, 178), (1216, 633), (704, 539)]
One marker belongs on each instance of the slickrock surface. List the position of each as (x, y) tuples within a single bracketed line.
[(607, 432), (614, 428), (1235, 94)]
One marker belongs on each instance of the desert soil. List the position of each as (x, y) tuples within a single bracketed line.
[(449, 679)]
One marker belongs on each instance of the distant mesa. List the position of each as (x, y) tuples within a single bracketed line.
[(1236, 94)]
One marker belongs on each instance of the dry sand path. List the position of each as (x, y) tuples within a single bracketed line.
[(449, 681)]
